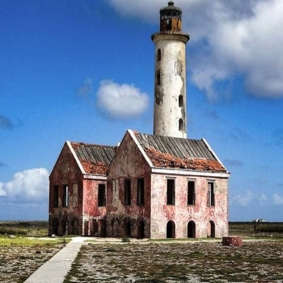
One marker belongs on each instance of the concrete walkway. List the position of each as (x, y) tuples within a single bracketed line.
[(55, 269)]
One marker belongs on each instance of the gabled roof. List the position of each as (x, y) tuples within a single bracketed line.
[(171, 152), (95, 159)]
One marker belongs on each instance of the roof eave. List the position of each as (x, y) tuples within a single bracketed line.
[(186, 172)]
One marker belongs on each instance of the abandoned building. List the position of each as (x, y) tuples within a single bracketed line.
[(160, 185)]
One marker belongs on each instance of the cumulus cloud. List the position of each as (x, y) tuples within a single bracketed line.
[(277, 199), (121, 101), (85, 88), (229, 39), (28, 185), (249, 198), (6, 123)]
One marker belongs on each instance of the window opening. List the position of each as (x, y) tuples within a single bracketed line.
[(191, 193), (101, 195), (191, 229), (170, 229), (158, 54), (211, 196), (181, 125), (140, 191), (211, 233), (127, 192), (158, 78), (170, 191), (65, 196), (181, 101)]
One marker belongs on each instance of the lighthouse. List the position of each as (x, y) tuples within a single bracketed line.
[(170, 117)]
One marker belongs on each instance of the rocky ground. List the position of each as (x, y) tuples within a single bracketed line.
[(185, 261), (17, 263)]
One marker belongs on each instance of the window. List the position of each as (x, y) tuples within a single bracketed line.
[(181, 125), (158, 78), (158, 55), (65, 196), (170, 191), (101, 195), (56, 196), (191, 193), (210, 194), (127, 192), (181, 101), (140, 192)]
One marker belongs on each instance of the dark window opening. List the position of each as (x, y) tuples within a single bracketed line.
[(181, 101), (170, 230), (127, 228), (140, 191), (170, 192), (65, 196), (211, 196), (101, 195), (211, 233), (56, 196), (158, 78), (191, 229), (181, 125), (158, 55), (127, 192), (191, 193)]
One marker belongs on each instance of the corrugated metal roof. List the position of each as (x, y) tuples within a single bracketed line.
[(170, 152), (95, 159)]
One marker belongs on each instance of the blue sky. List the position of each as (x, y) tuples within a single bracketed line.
[(63, 63)]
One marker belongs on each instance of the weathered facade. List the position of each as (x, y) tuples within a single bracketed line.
[(77, 188), (150, 186), (183, 184)]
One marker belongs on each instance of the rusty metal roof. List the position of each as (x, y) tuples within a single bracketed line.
[(170, 152), (95, 159)]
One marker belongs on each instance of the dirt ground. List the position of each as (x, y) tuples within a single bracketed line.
[(18, 263), (187, 261)]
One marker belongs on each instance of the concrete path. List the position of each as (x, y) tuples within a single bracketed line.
[(55, 269)]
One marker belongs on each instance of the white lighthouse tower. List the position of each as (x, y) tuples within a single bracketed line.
[(170, 118)]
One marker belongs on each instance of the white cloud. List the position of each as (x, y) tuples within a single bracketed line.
[(85, 88), (277, 199), (2, 192), (121, 101), (250, 198), (28, 185), (243, 200), (228, 39)]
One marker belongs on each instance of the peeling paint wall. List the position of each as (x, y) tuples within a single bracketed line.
[(81, 212), (181, 213), (131, 220), (170, 84)]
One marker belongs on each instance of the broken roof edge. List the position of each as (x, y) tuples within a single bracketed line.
[(132, 134), (214, 154), (69, 144)]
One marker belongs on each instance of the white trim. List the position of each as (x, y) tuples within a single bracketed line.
[(140, 148), (211, 150), (95, 177), (189, 173), (76, 158)]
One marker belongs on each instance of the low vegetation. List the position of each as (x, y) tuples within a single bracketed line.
[(24, 247), (23, 250)]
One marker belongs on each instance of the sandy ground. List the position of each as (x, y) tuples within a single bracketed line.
[(190, 261)]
